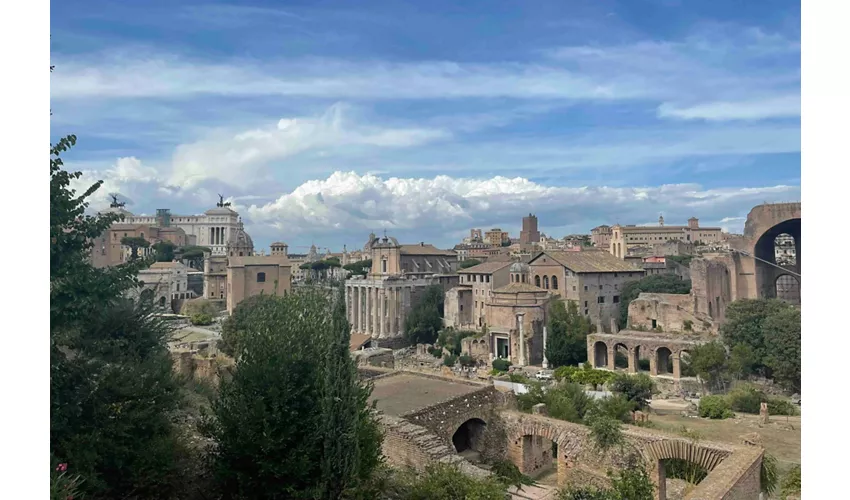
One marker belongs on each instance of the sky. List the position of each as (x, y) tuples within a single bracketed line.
[(323, 121)]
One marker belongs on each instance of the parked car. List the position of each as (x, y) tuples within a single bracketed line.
[(544, 375)]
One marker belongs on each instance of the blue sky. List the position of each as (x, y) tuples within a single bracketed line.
[(322, 121)]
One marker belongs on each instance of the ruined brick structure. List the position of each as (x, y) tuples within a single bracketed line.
[(664, 351)]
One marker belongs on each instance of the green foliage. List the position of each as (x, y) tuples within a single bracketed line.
[(449, 360), (746, 398), (501, 365), (534, 396), (631, 483), (199, 306), (467, 361), (656, 283), (782, 336), (780, 406), (709, 362), (450, 339), (605, 431), (745, 324), (590, 376), (193, 254), (677, 468), (164, 251), (742, 361), (518, 378), (111, 383), (567, 336), (684, 260), (791, 482), (769, 474), (636, 388), (294, 421), (437, 352), (586, 493), (714, 407), (616, 407), (688, 325), (360, 268), (63, 485), (425, 320), (509, 474), (468, 263), (201, 319), (447, 482), (234, 327)]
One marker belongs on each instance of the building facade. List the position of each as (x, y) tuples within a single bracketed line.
[(625, 237), (529, 233), (497, 237), (600, 236), (168, 281), (593, 280), (464, 306), (255, 275), (379, 304)]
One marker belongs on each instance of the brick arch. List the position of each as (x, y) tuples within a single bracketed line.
[(521, 447), (683, 450)]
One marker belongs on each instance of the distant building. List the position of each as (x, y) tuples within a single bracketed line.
[(168, 281), (600, 236), (255, 275), (529, 233), (624, 237), (497, 237)]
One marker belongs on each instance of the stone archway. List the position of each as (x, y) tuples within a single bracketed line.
[(658, 452), (787, 288), (600, 355), (664, 361), (768, 267), (467, 439), (621, 356)]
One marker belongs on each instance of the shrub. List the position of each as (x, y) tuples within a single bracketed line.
[(201, 319), (714, 407), (534, 396), (449, 359), (445, 482), (62, 485), (616, 407), (501, 365), (769, 475), (643, 364), (605, 431), (780, 406), (636, 388), (437, 352), (198, 306), (565, 373), (509, 474), (465, 360), (518, 378), (791, 482), (746, 398), (688, 325)]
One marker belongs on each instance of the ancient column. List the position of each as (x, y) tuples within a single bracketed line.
[(612, 353), (382, 313), (633, 360), (520, 339), (677, 367), (653, 363), (545, 361)]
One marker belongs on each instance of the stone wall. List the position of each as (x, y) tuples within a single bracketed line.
[(203, 369), (409, 445), (670, 311), (711, 288)]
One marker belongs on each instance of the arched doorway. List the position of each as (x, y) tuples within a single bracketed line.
[(539, 456), (621, 356), (788, 289), (641, 359), (467, 438), (162, 302), (776, 249), (664, 361), (600, 354)]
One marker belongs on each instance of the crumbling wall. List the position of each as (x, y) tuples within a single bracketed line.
[(711, 287), (671, 312), (212, 370)]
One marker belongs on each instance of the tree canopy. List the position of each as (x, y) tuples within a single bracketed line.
[(425, 320), (468, 263), (294, 420), (164, 251), (566, 342)]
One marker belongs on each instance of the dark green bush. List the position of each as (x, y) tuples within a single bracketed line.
[(437, 352), (643, 364), (746, 399), (636, 388), (501, 364), (780, 406), (449, 359), (714, 407), (509, 474), (465, 360), (201, 319)]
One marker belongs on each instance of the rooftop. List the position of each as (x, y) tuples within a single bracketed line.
[(519, 288), (425, 249), (590, 262), (258, 260), (485, 268)]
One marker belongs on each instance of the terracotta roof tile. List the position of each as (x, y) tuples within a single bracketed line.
[(591, 262), (425, 250), (519, 287), (485, 268)]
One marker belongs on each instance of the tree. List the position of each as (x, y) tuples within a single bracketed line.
[(782, 347), (566, 342), (135, 243), (656, 283), (164, 251), (468, 263), (234, 328), (709, 362), (425, 320), (193, 254), (744, 324), (636, 388), (293, 422), (360, 268), (111, 383)]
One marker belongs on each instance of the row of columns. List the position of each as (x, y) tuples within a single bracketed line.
[(377, 311), (632, 357), (218, 235)]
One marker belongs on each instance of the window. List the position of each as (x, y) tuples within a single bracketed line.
[(574, 288), (585, 303), (261, 277), (616, 299), (384, 265), (488, 278), (546, 282), (585, 312), (600, 287), (600, 300), (554, 282), (537, 281), (474, 277), (475, 306), (585, 288), (461, 308), (178, 287)]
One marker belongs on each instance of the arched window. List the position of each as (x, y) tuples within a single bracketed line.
[(261, 277), (537, 281), (554, 282), (546, 282)]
